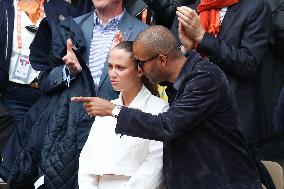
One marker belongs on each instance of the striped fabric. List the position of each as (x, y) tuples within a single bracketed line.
[(100, 44)]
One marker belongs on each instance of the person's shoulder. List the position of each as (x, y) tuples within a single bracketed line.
[(254, 5), (205, 68), (134, 21), (83, 17), (157, 104)]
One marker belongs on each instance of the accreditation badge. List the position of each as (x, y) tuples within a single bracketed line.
[(22, 68)]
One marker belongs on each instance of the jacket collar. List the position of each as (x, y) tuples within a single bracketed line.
[(113, 21), (228, 19), (185, 72)]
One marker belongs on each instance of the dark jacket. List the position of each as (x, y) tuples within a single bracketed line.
[(278, 119), (165, 10), (238, 50), (53, 9), (62, 124), (272, 78), (203, 146), (56, 164)]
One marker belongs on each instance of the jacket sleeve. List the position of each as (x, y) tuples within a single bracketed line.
[(149, 174), (3, 48), (52, 81), (196, 102), (165, 10), (242, 60)]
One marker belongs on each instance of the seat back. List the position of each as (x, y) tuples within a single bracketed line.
[(276, 173)]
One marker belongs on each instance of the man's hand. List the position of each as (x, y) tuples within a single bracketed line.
[(118, 38), (187, 43), (95, 106), (70, 59), (191, 23)]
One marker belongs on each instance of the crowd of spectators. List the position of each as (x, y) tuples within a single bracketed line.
[(221, 65)]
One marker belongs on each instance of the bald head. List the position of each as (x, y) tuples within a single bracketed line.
[(157, 39)]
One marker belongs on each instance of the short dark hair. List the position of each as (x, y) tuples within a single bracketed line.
[(157, 39)]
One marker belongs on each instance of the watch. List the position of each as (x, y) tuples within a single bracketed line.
[(115, 111)]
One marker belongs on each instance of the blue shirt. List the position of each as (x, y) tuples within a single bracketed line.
[(100, 44)]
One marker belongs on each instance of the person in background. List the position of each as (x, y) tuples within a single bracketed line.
[(123, 161), (18, 28), (234, 35), (18, 25), (75, 64), (160, 12), (200, 130)]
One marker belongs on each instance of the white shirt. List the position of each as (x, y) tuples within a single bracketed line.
[(222, 14), (27, 38), (105, 152)]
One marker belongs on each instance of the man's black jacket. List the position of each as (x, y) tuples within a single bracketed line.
[(203, 146)]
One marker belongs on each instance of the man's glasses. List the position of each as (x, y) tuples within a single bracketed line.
[(142, 62)]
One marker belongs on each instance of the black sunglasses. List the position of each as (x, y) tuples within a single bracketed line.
[(142, 62)]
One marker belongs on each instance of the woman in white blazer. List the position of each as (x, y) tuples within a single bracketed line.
[(111, 161)]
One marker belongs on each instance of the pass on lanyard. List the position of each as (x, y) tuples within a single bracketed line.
[(19, 32)]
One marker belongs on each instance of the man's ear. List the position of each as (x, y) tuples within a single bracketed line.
[(163, 60)]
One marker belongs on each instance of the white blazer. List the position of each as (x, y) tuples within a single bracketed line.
[(105, 152)]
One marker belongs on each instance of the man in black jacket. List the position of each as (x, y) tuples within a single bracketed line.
[(203, 146)]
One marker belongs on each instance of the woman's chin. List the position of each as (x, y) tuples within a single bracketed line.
[(115, 88)]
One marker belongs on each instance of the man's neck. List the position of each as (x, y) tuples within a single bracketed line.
[(178, 63), (105, 15)]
